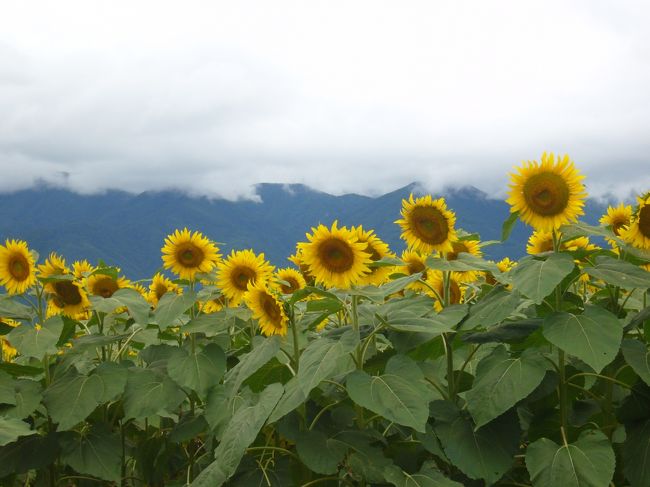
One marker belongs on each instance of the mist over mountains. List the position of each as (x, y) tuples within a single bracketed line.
[(128, 230)]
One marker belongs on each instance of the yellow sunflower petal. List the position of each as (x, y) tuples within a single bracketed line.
[(427, 224), (267, 309), (188, 254), (240, 268), (637, 233)]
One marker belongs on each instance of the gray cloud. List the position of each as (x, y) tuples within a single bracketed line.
[(343, 97)]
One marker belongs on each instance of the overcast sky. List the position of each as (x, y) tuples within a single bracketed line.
[(345, 96)]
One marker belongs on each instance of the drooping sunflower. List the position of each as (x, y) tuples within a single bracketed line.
[(457, 288), (105, 285), (414, 262), (469, 246), (237, 270), (637, 232), (377, 249), (267, 309), (549, 194), (188, 254), (539, 242), (161, 285), (335, 257), (292, 277), (17, 267), (427, 224), (617, 217)]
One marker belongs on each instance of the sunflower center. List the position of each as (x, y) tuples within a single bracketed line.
[(458, 247), (644, 221), (617, 225), (160, 290), (271, 310), (105, 287), (454, 292), (67, 293), (546, 194), (189, 255), (293, 285), (429, 224), (19, 267), (336, 255), (241, 275)]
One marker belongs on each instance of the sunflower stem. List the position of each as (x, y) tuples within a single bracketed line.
[(561, 359)]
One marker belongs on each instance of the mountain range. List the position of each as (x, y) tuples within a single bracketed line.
[(128, 230)]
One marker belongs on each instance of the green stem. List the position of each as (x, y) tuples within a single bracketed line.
[(451, 386), (361, 422), (562, 388)]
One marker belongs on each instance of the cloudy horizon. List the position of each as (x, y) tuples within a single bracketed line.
[(211, 98)]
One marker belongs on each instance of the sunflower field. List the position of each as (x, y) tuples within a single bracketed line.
[(352, 367)]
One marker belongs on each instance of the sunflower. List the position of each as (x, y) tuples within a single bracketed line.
[(298, 260), (469, 246), (335, 257), (267, 309), (240, 268), (427, 224), (143, 291), (579, 243), (105, 285), (213, 305), (414, 262), (188, 254), (457, 288), (549, 194), (539, 242), (161, 285), (638, 231), (54, 265), (617, 217), (377, 250), (292, 277), (505, 264), (7, 351), (68, 298), (81, 269), (17, 268)]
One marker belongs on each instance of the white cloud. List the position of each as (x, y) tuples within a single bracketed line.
[(364, 96)]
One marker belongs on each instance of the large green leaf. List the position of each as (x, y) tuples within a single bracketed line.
[(171, 307), (492, 309), (322, 359), (502, 381), (28, 395), (215, 323), (428, 476), (7, 393), (486, 453), (265, 350), (593, 336), (636, 454), (464, 262), (637, 355), (138, 307), (37, 342), (320, 453), (198, 371), (10, 307), (11, 429), (28, 453), (428, 326), (589, 462), (293, 397), (508, 332), (240, 433), (619, 273), (399, 395), (379, 293), (72, 397), (148, 392), (536, 278), (113, 377), (97, 453)]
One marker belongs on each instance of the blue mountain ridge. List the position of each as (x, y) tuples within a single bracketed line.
[(128, 230)]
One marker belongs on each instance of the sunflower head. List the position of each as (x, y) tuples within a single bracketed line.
[(213, 305), (54, 265), (161, 285), (539, 242), (414, 262), (292, 277), (81, 269), (267, 309), (549, 194), (17, 266), (377, 250), (637, 232), (468, 246), (105, 285), (335, 256), (67, 297), (457, 288), (239, 269), (427, 224), (188, 254), (617, 217)]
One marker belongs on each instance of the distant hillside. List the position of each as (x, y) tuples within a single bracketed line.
[(129, 230)]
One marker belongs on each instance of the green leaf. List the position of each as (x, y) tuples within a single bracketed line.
[(318, 452), (28, 395), (636, 454), (509, 332), (619, 273), (379, 293), (265, 350), (508, 225), (321, 359), (589, 462), (138, 307), (113, 377), (198, 371), (10, 307), (536, 278), (502, 381), (464, 262), (637, 355), (86, 342), (495, 307), (148, 392), (240, 433), (11, 429), (486, 453), (398, 395), (32, 342), (215, 323), (593, 336), (7, 393), (171, 307), (433, 325), (28, 453), (71, 398), (428, 476), (293, 397), (97, 453)]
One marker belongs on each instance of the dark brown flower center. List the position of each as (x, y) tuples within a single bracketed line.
[(160, 290), (240, 276), (271, 309), (189, 255), (458, 247), (644, 221), (105, 287), (67, 293), (18, 267), (429, 224), (546, 194), (294, 285), (336, 255)]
